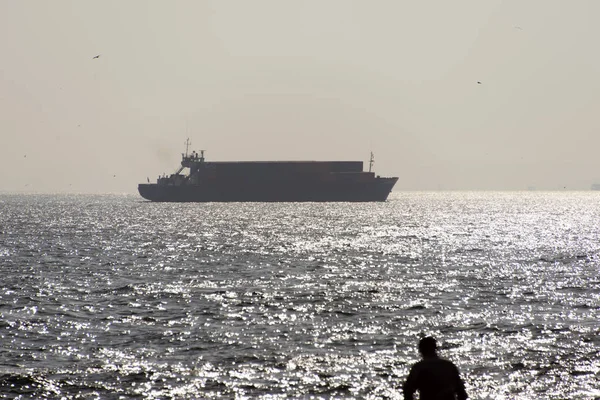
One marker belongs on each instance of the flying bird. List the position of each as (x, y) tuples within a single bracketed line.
[(479, 83), (98, 56)]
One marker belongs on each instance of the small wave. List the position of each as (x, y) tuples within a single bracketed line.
[(344, 312), (19, 384), (335, 391), (470, 250), (16, 380), (571, 289), (580, 373), (129, 288), (479, 326), (517, 366), (564, 258)]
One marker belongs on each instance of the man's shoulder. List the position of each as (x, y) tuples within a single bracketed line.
[(435, 362)]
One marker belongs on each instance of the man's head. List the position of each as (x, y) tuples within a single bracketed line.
[(427, 346)]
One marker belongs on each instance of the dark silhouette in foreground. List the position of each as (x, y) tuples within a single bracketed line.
[(434, 377)]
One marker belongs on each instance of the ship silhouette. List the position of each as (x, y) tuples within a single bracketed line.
[(198, 180)]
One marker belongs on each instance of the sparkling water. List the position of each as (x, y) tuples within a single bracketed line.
[(113, 297)]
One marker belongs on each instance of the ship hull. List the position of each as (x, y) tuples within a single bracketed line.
[(377, 189)]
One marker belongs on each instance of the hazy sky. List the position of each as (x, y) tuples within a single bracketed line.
[(301, 80)]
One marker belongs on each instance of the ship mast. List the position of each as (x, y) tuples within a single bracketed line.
[(187, 146), (371, 162)]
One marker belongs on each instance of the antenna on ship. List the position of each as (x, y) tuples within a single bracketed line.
[(187, 146), (371, 162)]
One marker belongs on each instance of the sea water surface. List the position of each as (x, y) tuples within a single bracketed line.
[(113, 297)]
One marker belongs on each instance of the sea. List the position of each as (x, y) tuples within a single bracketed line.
[(113, 297)]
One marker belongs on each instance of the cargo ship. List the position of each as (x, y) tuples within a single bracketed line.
[(198, 180)]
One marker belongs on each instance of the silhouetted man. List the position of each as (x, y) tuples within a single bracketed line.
[(434, 377)]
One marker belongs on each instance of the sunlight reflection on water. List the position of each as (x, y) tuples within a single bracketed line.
[(110, 295)]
